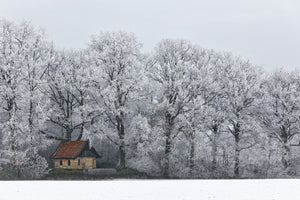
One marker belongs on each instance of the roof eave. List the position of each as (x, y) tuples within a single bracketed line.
[(66, 158)]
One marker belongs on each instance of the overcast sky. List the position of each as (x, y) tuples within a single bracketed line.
[(267, 32)]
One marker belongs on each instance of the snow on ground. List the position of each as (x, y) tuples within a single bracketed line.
[(152, 190)]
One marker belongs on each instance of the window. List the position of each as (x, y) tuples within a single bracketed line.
[(69, 163), (78, 161), (61, 162)]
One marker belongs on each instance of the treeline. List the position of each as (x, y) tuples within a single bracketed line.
[(179, 111)]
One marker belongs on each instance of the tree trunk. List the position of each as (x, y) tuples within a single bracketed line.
[(237, 156), (214, 157), (81, 128), (11, 108), (269, 158), (215, 148), (225, 162), (82, 117), (284, 156), (169, 126), (69, 134), (122, 154), (192, 156), (225, 157), (121, 133), (166, 164), (285, 149), (30, 120)]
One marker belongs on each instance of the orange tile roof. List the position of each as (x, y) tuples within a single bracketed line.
[(69, 149)]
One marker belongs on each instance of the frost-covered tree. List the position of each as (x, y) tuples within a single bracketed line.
[(202, 91), (214, 116), (240, 83), (22, 60), (281, 111), (145, 146), (33, 102), (68, 80), (171, 72), (117, 72), (11, 64)]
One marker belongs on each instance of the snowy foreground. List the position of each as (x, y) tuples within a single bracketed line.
[(152, 189)]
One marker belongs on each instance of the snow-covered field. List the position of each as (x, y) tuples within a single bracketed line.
[(152, 190)]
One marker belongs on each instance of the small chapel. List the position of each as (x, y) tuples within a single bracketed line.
[(75, 155)]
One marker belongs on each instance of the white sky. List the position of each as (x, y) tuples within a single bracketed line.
[(265, 31)]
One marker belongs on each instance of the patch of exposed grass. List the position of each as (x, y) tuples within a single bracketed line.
[(77, 174), (106, 165), (66, 172), (129, 173)]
